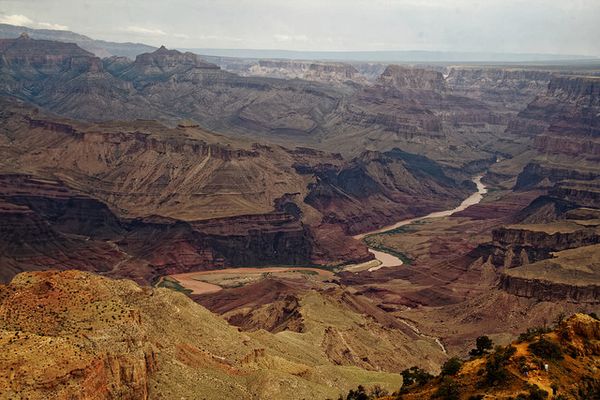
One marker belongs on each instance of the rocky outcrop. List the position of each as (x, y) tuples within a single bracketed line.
[(517, 245), (575, 87), (537, 174), (136, 202), (570, 351), (400, 77), (543, 290), (26, 55), (46, 223), (571, 275), (162, 64), (335, 73)]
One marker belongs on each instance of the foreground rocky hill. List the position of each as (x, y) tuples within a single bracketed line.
[(560, 363), (74, 335)]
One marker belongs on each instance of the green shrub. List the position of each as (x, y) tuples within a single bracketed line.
[(358, 394), (451, 366), (535, 393), (448, 390), (546, 349), (532, 333), (482, 345), (377, 392), (415, 375)]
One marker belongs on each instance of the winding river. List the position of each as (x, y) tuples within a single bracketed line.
[(388, 260)]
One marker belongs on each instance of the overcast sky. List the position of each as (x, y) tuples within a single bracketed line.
[(522, 26)]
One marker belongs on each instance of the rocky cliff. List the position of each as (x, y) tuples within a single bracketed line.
[(545, 175), (516, 245), (569, 275), (567, 110), (99, 48)]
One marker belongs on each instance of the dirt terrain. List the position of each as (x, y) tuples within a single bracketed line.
[(199, 282)]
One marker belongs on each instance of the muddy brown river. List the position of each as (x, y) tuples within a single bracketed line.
[(388, 260)]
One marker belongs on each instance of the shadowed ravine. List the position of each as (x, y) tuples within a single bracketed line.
[(389, 260)]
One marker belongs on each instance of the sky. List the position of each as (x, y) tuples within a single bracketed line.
[(503, 26)]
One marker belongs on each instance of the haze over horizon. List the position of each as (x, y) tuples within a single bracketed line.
[(513, 26)]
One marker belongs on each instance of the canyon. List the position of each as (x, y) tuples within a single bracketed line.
[(178, 225)]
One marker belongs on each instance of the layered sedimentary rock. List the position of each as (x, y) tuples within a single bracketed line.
[(407, 108), (340, 323), (516, 245), (376, 178), (512, 88), (399, 77), (411, 108), (540, 174), (336, 73), (572, 275), (566, 115), (160, 200)]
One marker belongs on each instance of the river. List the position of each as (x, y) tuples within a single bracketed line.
[(388, 260)]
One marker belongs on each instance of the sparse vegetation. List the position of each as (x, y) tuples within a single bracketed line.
[(495, 371), (415, 376), (360, 393), (532, 333)]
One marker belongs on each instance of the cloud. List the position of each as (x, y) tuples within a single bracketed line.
[(145, 31), (19, 20), (47, 25), (289, 38), (152, 32), (22, 20)]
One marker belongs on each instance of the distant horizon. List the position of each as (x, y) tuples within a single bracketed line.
[(396, 55), (434, 56), (399, 56), (551, 27)]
